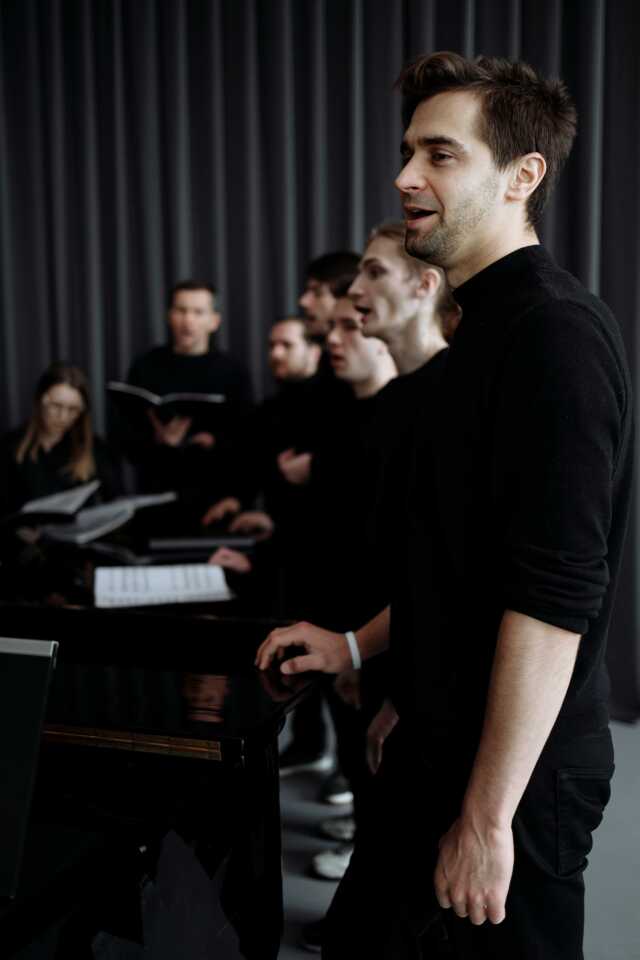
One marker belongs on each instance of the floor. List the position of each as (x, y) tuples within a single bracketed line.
[(613, 878)]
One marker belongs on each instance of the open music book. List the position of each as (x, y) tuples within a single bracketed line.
[(171, 404), (97, 521), (144, 586), (66, 503)]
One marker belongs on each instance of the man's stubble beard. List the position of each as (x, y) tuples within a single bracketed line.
[(442, 243)]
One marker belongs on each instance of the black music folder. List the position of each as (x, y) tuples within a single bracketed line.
[(25, 672)]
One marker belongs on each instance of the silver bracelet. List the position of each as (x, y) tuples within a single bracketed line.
[(356, 659)]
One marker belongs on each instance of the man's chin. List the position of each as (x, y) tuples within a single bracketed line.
[(422, 247), (373, 328)]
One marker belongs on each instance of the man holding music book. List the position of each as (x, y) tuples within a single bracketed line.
[(180, 398)]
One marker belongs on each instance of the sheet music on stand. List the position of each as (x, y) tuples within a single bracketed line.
[(145, 586)]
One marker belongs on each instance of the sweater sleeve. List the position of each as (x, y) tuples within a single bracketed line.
[(561, 402)]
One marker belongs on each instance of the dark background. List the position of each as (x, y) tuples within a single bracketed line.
[(144, 141)]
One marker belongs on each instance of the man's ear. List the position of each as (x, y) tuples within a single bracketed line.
[(428, 284), (526, 174), (216, 320)]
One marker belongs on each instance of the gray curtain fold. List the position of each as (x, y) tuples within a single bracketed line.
[(142, 141)]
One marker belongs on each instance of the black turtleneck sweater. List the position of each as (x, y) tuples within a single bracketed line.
[(188, 467), (519, 502)]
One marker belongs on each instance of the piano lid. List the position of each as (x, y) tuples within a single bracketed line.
[(135, 674)]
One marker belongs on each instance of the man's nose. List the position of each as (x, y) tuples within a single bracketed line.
[(355, 290), (411, 178), (304, 299)]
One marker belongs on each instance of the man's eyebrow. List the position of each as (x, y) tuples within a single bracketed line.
[(438, 141), (368, 261)]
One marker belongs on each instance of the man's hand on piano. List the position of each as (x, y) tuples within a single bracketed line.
[(326, 652)]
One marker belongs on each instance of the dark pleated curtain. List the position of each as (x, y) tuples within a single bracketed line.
[(143, 141)]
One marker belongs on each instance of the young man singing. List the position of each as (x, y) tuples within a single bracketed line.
[(503, 595)]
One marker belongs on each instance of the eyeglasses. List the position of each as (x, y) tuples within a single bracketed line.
[(61, 409)]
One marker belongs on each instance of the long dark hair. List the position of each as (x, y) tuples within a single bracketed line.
[(81, 466)]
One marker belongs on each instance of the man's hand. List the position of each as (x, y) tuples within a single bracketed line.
[(254, 522), (170, 434), (203, 439), (347, 687), (230, 560), (295, 467), (379, 729), (327, 652), (474, 870), (220, 509)]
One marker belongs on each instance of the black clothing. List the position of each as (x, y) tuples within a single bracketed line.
[(531, 475), (385, 906), (358, 494), (343, 581), (189, 467), (519, 502), (31, 479), (293, 418), (162, 371)]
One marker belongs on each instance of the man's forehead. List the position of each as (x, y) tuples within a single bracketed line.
[(382, 251), (200, 298), (345, 312), (286, 329), (450, 117)]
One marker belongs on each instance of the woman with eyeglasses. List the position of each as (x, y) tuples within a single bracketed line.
[(57, 449)]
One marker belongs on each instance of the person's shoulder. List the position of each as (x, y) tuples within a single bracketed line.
[(224, 358), (574, 342), (150, 359), (418, 380), (568, 321)]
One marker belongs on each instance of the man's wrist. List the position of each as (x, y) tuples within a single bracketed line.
[(354, 650), (486, 814)]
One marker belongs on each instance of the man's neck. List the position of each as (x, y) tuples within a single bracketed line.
[(494, 248), (368, 388), (200, 352), (418, 341)]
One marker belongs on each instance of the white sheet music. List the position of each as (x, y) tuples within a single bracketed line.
[(143, 586), (66, 502)]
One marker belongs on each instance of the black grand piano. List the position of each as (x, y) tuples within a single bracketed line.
[(155, 813)]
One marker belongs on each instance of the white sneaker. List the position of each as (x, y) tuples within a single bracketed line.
[(338, 828), (332, 864)]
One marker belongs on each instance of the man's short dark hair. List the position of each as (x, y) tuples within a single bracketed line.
[(192, 285), (332, 268), (521, 112), (340, 287)]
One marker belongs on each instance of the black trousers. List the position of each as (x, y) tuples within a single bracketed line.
[(385, 907)]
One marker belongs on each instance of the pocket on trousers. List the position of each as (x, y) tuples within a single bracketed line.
[(582, 795)]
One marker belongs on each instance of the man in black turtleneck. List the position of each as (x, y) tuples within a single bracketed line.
[(502, 594)]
